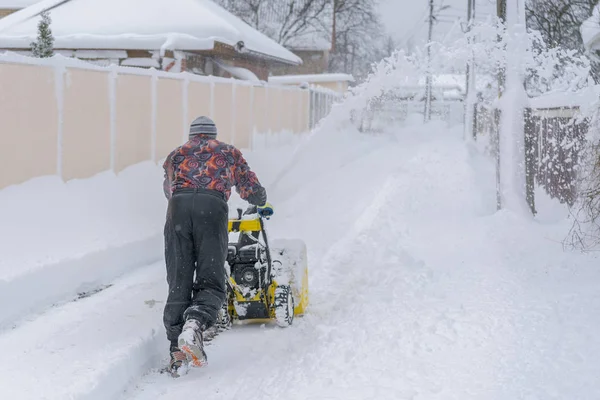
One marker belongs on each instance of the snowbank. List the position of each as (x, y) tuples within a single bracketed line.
[(59, 239), (67, 238)]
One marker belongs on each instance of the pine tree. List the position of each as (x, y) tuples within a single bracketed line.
[(44, 46)]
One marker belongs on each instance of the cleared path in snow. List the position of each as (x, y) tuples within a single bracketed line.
[(419, 290)]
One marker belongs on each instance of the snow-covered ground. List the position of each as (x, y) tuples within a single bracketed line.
[(419, 290)]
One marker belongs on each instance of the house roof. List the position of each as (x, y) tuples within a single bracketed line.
[(16, 4), (139, 25)]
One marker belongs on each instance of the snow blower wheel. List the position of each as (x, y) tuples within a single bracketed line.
[(284, 306)]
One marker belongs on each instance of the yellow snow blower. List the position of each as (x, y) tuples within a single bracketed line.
[(266, 281)]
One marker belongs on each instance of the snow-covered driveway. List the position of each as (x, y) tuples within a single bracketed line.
[(419, 290)]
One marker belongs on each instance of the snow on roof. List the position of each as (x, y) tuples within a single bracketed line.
[(238, 72), (318, 78), (138, 25), (16, 4)]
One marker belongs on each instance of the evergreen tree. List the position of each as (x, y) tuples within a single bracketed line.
[(44, 46)]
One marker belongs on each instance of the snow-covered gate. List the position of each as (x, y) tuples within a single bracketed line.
[(554, 138)]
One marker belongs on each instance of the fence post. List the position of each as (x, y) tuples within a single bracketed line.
[(212, 100), (266, 116), (185, 116), (253, 116), (233, 112), (154, 91), (497, 116), (112, 95), (59, 87)]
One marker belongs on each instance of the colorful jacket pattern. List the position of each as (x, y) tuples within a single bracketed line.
[(207, 163)]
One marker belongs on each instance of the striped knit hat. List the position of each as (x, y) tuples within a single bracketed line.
[(203, 126)]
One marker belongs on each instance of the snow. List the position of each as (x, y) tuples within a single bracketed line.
[(138, 25), (16, 4), (512, 105), (582, 99), (79, 243), (317, 78), (239, 72), (418, 287), (590, 30)]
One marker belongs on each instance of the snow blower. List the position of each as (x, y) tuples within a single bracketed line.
[(266, 281)]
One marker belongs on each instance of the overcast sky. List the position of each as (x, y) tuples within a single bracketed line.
[(406, 18)]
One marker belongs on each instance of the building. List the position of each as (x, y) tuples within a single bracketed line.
[(8, 7), (314, 52), (196, 36)]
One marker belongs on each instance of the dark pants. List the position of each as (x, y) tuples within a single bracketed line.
[(195, 241)]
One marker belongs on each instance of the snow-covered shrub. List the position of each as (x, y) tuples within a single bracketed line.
[(43, 47)]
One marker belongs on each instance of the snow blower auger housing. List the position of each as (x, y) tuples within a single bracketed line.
[(266, 281)]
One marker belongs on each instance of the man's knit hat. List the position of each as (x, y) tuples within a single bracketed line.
[(203, 126)]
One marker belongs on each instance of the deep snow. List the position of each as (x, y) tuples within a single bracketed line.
[(419, 290)]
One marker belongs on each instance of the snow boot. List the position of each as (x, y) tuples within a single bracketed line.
[(191, 343), (178, 365)]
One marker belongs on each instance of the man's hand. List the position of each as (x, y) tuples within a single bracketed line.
[(265, 211)]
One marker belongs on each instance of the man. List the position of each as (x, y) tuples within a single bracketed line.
[(199, 176)]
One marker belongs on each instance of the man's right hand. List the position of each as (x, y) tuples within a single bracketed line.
[(265, 211)]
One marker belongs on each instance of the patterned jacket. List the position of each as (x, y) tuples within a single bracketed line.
[(207, 163)]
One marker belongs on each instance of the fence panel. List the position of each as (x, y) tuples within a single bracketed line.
[(554, 148), (244, 119), (86, 124), (76, 121), (134, 119), (223, 110), (275, 108), (169, 116), (28, 122), (260, 110)]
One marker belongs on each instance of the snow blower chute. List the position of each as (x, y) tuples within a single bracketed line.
[(266, 280)]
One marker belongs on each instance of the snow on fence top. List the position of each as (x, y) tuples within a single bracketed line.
[(139, 25), (584, 99)]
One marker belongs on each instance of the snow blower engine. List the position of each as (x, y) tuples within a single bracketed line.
[(266, 281)]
